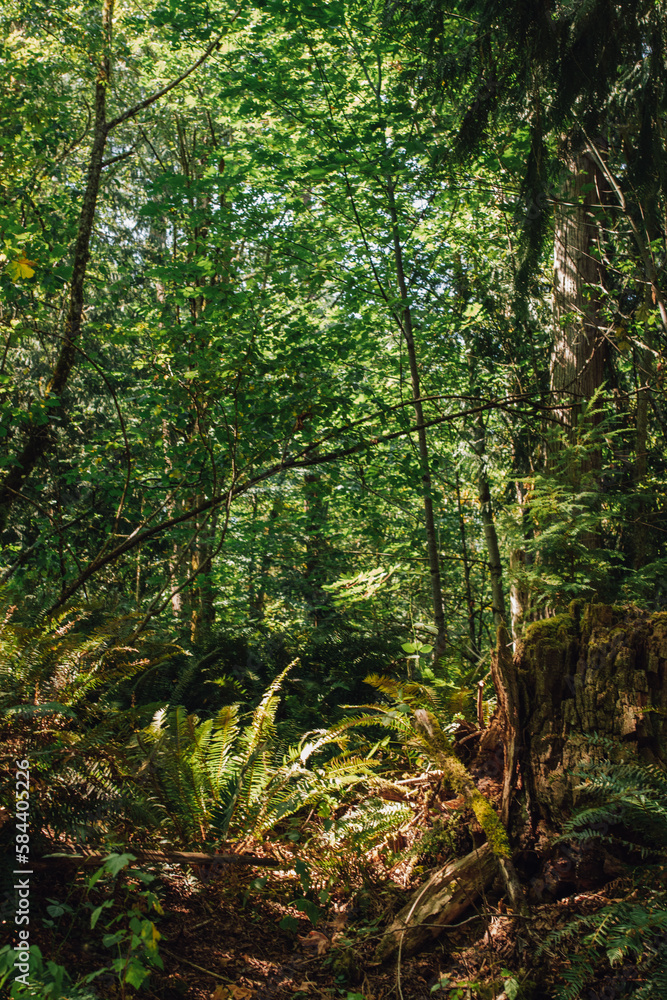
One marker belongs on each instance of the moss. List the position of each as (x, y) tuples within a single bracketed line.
[(486, 816), (576, 608), (603, 615), (553, 632), (428, 728)]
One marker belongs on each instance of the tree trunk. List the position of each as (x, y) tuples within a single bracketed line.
[(314, 570), (580, 347), (595, 670), (429, 520), (490, 533), (202, 617), (39, 436), (38, 439), (261, 559), (473, 646)]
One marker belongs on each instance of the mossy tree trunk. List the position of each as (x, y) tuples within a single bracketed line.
[(594, 670)]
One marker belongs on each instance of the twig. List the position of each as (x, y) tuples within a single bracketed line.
[(199, 968)]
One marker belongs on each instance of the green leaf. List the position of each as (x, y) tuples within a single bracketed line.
[(135, 974), (95, 915), (312, 911), (512, 988), (116, 862), (109, 940), (21, 268)]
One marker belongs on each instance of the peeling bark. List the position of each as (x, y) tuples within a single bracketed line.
[(595, 670), (443, 898), (507, 692)]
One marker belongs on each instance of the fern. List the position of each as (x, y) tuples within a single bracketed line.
[(58, 682), (628, 808), (218, 777), (66, 659), (367, 823), (415, 717)]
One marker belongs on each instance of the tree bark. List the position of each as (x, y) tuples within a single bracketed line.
[(202, 614), (507, 715), (440, 901), (595, 670), (470, 603), (580, 348), (489, 524)]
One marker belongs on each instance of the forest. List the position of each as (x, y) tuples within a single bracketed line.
[(333, 499)]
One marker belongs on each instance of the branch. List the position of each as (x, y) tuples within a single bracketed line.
[(169, 857), (644, 251), (307, 458), (117, 159), (142, 105)]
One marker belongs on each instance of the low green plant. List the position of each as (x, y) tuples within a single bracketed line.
[(417, 716), (219, 778), (572, 527), (130, 933), (123, 922), (59, 683), (45, 980), (459, 990), (439, 840), (626, 806)]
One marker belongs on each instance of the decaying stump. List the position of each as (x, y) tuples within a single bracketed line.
[(443, 898), (594, 670)]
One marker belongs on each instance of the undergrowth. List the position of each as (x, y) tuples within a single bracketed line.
[(625, 941)]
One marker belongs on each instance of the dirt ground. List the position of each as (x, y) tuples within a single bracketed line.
[(222, 939)]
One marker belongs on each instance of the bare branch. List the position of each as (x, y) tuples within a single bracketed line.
[(146, 103)]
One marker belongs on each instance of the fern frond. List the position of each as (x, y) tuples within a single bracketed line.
[(367, 823)]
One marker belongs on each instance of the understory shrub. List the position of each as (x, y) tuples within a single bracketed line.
[(624, 942)]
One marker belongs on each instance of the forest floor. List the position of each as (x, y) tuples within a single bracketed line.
[(222, 937)]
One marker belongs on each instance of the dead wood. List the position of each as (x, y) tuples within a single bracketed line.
[(440, 901), (160, 857)]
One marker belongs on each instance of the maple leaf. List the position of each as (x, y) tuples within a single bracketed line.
[(20, 268)]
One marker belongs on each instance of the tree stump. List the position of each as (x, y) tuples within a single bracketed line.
[(595, 670)]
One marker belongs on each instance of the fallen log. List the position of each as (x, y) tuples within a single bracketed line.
[(443, 898), (161, 857)]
